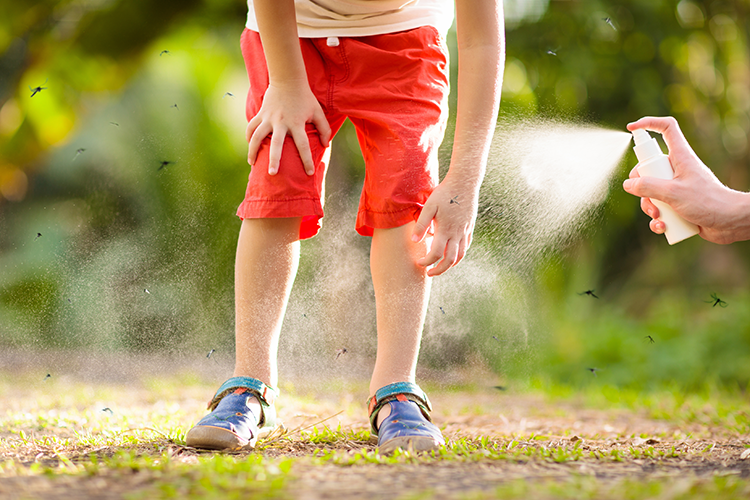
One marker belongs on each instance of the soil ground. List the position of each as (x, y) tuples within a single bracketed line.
[(649, 450)]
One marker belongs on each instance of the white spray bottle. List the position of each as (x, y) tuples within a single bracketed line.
[(653, 163)]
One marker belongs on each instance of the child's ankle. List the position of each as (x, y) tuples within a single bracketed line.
[(382, 415), (253, 404)]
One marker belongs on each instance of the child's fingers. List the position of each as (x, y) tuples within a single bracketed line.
[(251, 126), (321, 124), (435, 253), (450, 258), (302, 141), (256, 136), (423, 223), (274, 153), (463, 245)]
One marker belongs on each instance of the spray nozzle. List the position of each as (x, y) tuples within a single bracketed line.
[(645, 146), (640, 136)]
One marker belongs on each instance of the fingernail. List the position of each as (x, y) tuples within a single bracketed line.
[(626, 184), (414, 238)]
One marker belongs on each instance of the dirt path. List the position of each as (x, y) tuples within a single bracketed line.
[(527, 440)]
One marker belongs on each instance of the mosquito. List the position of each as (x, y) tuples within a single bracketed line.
[(175, 106), (108, 410), (164, 52), (649, 338), (496, 338), (38, 235), (608, 20), (340, 352), (78, 152), (47, 377), (210, 353), (589, 292), (552, 52), (38, 89), (499, 387), (115, 124), (227, 94), (716, 301), (441, 309), (145, 290), (593, 370), (454, 200), (164, 164)]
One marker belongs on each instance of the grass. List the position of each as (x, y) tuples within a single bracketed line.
[(681, 445)]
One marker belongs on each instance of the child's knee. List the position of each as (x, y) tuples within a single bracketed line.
[(285, 227)]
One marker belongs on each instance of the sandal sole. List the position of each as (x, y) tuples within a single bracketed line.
[(207, 437), (215, 438), (409, 443)]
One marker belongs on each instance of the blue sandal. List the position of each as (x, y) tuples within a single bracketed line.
[(409, 426), (231, 425)]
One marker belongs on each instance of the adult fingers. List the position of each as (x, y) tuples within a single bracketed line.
[(649, 208), (669, 129), (648, 187), (657, 226), (634, 173)]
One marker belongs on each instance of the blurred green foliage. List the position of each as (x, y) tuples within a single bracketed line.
[(136, 255)]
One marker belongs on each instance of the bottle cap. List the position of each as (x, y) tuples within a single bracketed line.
[(645, 146)]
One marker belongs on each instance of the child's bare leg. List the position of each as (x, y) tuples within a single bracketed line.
[(267, 258), (402, 290)]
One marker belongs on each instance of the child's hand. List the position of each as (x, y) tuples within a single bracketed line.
[(285, 110), (454, 209)]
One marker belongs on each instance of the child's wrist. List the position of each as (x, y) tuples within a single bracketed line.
[(467, 181), (289, 83)]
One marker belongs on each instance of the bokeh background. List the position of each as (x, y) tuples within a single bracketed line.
[(103, 247)]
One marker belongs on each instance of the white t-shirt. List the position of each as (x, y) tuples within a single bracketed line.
[(327, 18)]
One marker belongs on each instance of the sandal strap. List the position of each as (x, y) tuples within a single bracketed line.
[(265, 394), (399, 391)]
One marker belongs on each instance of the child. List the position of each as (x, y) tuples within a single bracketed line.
[(382, 64)]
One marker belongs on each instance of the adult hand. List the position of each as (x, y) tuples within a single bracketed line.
[(694, 193), (286, 109)]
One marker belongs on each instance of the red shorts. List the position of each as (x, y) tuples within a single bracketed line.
[(394, 89)]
